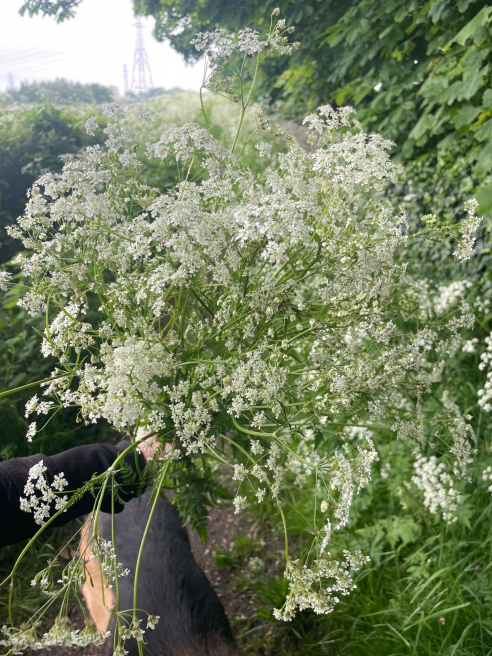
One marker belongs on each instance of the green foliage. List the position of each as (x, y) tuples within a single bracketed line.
[(418, 72), (426, 591), (196, 490), (60, 9), (168, 112), (59, 91), (153, 93), (31, 141)]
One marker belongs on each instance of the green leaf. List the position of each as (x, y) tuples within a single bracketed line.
[(484, 197), (434, 86), (487, 99), (463, 5), (423, 125), (404, 529), (471, 27), (484, 161), (484, 131), (466, 115), (462, 90), (436, 9)]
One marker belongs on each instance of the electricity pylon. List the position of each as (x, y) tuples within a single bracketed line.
[(141, 66)]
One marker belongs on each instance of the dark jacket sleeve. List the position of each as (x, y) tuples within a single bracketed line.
[(78, 466)]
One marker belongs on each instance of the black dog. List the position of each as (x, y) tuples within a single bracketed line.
[(171, 584)]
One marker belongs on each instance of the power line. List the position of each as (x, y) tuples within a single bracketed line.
[(26, 53), (40, 64), (141, 66)]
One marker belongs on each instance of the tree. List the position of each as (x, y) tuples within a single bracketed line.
[(31, 142), (59, 91)]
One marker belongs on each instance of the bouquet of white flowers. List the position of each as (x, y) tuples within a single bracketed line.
[(258, 323)]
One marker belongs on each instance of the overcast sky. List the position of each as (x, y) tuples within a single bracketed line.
[(92, 47)]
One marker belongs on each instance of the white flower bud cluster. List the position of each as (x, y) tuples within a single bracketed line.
[(465, 248), (41, 495), (440, 496), (59, 635), (110, 565), (485, 394), (318, 587)]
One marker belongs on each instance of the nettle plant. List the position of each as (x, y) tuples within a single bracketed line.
[(258, 325)]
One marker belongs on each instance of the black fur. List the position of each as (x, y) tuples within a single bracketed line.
[(171, 584)]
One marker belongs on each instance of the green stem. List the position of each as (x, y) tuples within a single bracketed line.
[(203, 109), (286, 542), (116, 579), (24, 387), (251, 432), (142, 544), (240, 448), (243, 111), (245, 104)]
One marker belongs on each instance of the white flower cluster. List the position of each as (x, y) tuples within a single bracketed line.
[(110, 566), (40, 407), (243, 318), (221, 45), (485, 394), (487, 477), (59, 635), (228, 57), (350, 475), (450, 295), (464, 250), (462, 435), (317, 587), (5, 278), (41, 495), (470, 345), (440, 496)]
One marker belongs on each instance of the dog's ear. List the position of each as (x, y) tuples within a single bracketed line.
[(93, 586)]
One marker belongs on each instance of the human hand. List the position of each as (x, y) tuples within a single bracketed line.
[(149, 446)]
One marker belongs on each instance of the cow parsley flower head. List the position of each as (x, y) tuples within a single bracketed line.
[(5, 278), (467, 230), (239, 504), (437, 485), (318, 587), (91, 126), (31, 431), (41, 495)]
